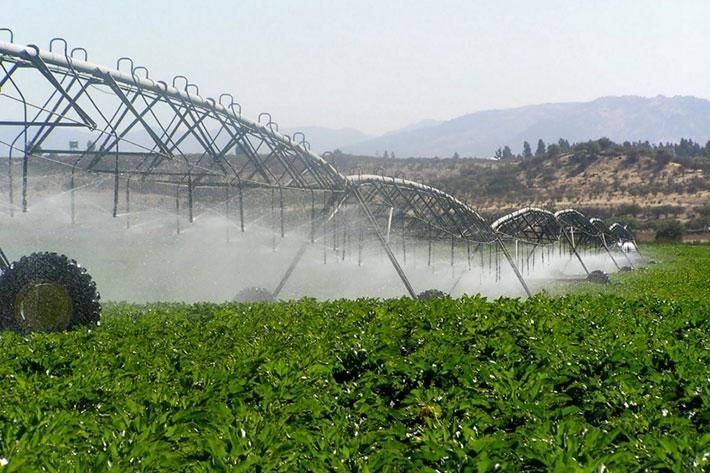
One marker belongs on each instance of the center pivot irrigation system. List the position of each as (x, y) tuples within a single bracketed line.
[(167, 137)]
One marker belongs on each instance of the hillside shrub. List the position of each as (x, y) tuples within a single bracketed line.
[(671, 230)]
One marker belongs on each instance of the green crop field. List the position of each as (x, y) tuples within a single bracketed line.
[(680, 272), (606, 379)]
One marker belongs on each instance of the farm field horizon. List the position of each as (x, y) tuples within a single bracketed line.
[(607, 377)]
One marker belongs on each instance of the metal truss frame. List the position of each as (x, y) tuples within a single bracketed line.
[(610, 239), (580, 231), (231, 148), (422, 210), (623, 234), (536, 227), (146, 129), (607, 239), (577, 226), (532, 225)]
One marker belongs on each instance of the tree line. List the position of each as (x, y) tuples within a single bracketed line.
[(686, 147)]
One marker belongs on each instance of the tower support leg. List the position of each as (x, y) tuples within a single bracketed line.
[(383, 241), (515, 268), (570, 242)]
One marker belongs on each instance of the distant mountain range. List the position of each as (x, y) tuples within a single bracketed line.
[(627, 118), (415, 126), (327, 139)]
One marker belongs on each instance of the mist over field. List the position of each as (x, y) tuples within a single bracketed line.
[(139, 257)]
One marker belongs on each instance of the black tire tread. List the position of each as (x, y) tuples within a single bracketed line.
[(49, 267)]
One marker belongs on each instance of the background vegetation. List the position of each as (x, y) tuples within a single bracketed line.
[(649, 186)]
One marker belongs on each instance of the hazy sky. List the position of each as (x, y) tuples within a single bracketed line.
[(380, 65)]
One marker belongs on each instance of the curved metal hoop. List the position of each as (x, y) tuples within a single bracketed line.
[(231, 105), (122, 59), (176, 78), (264, 114), (229, 96), (82, 50), (63, 41), (301, 135), (12, 35), (135, 70)]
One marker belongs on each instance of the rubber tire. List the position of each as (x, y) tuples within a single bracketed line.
[(598, 277), (430, 294), (253, 295), (56, 268)]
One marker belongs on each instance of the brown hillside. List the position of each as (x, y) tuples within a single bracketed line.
[(642, 189), (645, 190)]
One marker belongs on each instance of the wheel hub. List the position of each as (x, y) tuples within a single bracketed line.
[(43, 306)]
